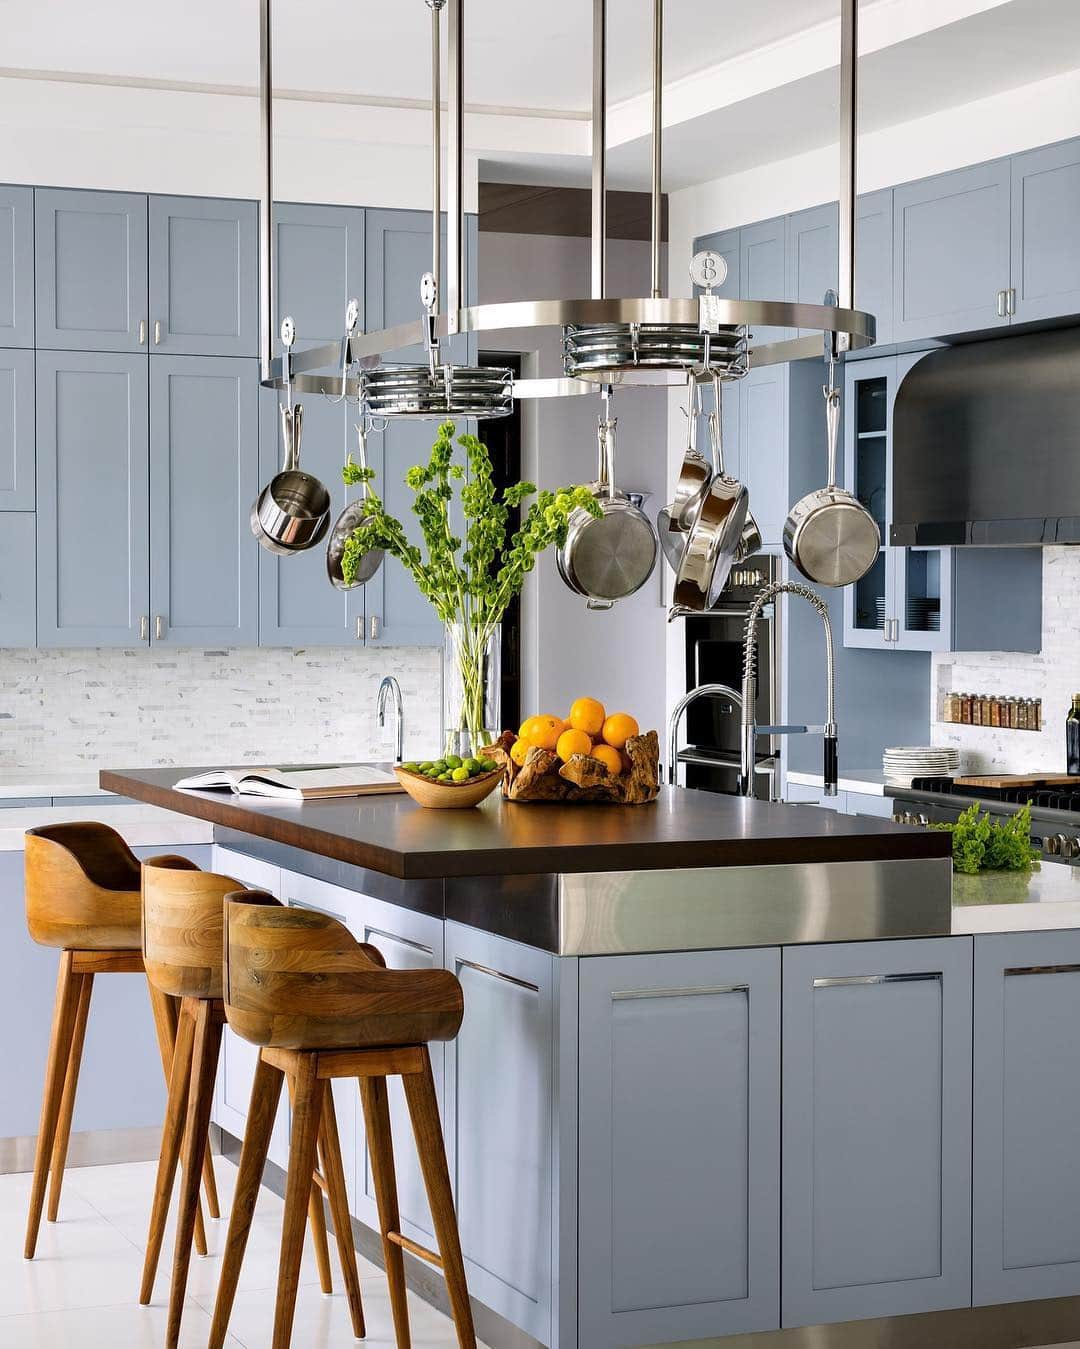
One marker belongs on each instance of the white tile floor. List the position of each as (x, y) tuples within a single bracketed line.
[(81, 1290)]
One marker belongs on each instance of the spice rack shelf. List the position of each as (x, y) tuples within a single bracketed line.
[(994, 712)]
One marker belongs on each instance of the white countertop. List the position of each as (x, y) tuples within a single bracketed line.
[(52, 782), (866, 781), (1043, 900), (140, 825)]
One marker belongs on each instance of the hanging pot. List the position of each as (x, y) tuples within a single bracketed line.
[(694, 477), (716, 533), (355, 514), (610, 556), (292, 512)]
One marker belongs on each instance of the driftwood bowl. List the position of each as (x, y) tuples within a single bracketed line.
[(543, 777), (449, 795)]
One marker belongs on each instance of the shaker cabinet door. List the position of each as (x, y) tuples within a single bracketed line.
[(951, 252), (763, 436), (17, 490), (93, 535), (204, 298), (16, 266), (320, 267), (90, 268), (874, 260), (762, 270), (679, 1146), (876, 1129), (813, 255), (726, 243), (1027, 1117), (1045, 245), (204, 447)]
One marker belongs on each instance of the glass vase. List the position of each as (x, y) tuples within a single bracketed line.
[(471, 689)]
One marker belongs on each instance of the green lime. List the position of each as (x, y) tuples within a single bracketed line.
[(460, 774), (411, 767), (426, 766), (488, 765), (473, 765), (452, 761), (440, 766)]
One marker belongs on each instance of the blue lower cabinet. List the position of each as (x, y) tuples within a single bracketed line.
[(1027, 1117), (876, 1129), (18, 579), (679, 1136)]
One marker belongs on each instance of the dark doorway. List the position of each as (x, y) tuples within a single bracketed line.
[(503, 439)]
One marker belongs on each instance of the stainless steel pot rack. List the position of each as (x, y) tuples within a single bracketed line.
[(653, 340)]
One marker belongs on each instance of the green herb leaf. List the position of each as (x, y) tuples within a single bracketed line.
[(981, 843)]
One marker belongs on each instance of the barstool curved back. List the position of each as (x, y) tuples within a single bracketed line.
[(182, 927), (82, 888)]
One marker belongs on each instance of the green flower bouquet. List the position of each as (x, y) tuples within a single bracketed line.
[(471, 586)]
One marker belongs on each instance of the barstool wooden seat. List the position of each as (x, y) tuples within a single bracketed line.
[(182, 940), (322, 1005), (82, 896)]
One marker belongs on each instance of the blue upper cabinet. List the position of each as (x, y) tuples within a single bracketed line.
[(16, 266), (874, 260), (93, 538), (91, 270), (320, 267), (18, 571), (763, 270), (204, 298), (763, 438), (16, 430), (1045, 243), (812, 256), (297, 604), (204, 476), (951, 252), (726, 243)]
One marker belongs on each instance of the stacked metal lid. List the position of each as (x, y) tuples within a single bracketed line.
[(611, 353), (437, 391)]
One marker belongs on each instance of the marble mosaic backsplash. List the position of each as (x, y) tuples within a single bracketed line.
[(1053, 675), (161, 706)]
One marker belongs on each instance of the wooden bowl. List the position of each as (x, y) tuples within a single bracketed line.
[(449, 795)]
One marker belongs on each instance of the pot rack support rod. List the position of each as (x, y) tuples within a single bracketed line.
[(436, 7), (657, 138), (455, 160), (599, 149), (849, 147), (266, 201)]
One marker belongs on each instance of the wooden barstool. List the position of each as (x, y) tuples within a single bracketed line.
[(323, 1005), (182, 949), (82, 896)]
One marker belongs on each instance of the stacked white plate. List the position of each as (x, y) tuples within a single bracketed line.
[(904, 763)]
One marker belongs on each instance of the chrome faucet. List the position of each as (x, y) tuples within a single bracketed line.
[(391, 688), (750, 729), (702, 691)]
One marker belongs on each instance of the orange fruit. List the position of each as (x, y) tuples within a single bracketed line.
[(618, 729), (543, 731), (610, 758), (587, 715), (518, 751), (573, 742)]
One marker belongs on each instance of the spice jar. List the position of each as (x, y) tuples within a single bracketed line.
[(1023, 717), (965, 709), (1038, 715), (995, 711)]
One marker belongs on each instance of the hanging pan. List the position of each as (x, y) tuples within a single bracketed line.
[(355, 514), (830, 535)]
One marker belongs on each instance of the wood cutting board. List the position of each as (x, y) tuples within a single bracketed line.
[(1020, 780)]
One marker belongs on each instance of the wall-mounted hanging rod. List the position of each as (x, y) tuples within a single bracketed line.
[(849, 149), (599, 149), (266, 201), (455, 162), (657, 138)]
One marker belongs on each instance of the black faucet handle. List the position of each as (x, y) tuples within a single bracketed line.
[(831, 764)]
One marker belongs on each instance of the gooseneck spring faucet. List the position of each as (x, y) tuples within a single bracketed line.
[(702, 691), (750, 729), (391, 688)]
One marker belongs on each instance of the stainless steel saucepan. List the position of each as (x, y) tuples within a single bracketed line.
[(354, 515), (671, 526), (610, 556), (830, 535)]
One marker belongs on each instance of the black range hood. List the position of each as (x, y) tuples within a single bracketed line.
[(986, 444)]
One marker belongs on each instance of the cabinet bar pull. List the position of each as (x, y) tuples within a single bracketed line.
[(1001, 306), (159, 627), (142, 332), (157, 332), (623, 994), (376, 627), (1042, 969), (144, 628), (497, 974), (1010, 301), (359, 629), (370, 933), (848, 980)]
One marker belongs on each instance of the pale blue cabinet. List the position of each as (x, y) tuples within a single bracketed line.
[(679, 1138), (204, 475), (203, 256), (17, 491), (951, 252), (876, 1129), (812, 256), (16, 266), (18, 583), (93, 529), (91, 270), (320, 267), (1045, 248), (1026, 1235), (762, 270), (874, 260), (298, 606), (763, 441), (726, 243)]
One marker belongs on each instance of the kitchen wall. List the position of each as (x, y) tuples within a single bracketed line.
[(1053, 675), (113, 708)]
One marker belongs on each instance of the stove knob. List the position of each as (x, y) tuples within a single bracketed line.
[(1070, 847), (922, 820), (1054, 844), (897, 817)]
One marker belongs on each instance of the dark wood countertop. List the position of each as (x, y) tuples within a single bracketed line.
[(392, 835)]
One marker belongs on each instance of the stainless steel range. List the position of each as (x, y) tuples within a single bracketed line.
[(1055, 810)]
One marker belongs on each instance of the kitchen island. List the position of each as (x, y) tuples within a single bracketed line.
[(715, 1074)]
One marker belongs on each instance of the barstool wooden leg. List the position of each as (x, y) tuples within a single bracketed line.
[(204, 1064), (67, 1102), (307, 1110), (317, 1219), (265, 1094), (427, 1128), (68, 988), (334, 1173), (381, 1153), (172, 1133)]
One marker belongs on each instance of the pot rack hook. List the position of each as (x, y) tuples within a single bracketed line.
[(352, 316)]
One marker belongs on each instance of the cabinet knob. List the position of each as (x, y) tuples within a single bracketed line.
[(157, 332)]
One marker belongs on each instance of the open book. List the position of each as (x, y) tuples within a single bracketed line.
[(297, 784)]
